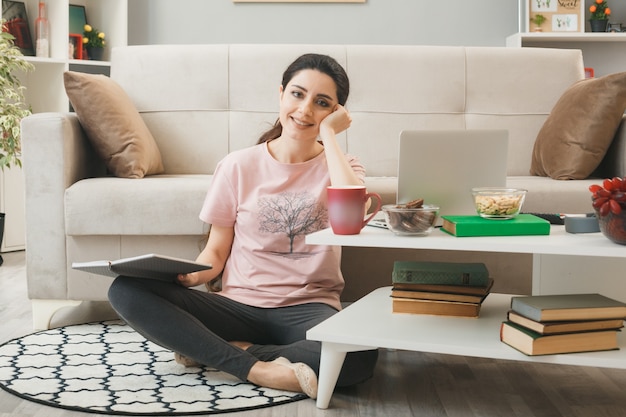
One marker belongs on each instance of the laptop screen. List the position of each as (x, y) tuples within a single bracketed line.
[(442, 166)]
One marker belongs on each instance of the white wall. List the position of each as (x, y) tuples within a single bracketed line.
[(448, 22)]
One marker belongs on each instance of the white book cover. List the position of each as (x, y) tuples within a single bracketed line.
[(151, 265)]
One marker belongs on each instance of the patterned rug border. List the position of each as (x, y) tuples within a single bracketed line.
[(149, 348), (296, 398)]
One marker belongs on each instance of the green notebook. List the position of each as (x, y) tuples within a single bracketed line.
[(522, 224)]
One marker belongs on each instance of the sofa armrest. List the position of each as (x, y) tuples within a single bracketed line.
[(55, 154), (614, 162)]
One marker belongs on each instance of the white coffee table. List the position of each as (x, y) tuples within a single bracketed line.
[(369, 322), (578, 248)]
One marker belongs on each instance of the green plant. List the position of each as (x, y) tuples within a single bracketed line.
[(538, 19), (599, 10), (13, 107), (92, 37)]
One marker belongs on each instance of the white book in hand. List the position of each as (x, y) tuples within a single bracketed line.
[(164, 268)]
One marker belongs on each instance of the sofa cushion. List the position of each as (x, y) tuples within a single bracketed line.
[(155, 205), (547, 195), (113, 125), (580, 128)]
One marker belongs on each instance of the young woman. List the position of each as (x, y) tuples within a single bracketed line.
[(262, 202)]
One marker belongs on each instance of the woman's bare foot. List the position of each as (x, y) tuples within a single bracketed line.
[(185, 361), (284, 375), (189, 363), (241, 345)]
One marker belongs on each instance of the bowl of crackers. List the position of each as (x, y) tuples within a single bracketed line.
[(411, 219), (498, 203)]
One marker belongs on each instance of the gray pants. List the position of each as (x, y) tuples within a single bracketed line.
[(199, 325)]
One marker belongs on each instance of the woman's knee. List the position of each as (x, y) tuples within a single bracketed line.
[(117, 289), (122, 292)]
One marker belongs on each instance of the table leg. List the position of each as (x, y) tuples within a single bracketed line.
[(536, 274), (331, 361)]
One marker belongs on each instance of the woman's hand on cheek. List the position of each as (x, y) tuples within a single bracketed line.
[(339, 120)]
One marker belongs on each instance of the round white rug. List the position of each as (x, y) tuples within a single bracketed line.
[(109, 368)]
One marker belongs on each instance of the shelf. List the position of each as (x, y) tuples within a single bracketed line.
[(567, 37), (44, 61), (560, 260), (558, 242), (370, 322), (90, 62)]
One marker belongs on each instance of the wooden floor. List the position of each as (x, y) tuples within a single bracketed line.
[(405, 383)]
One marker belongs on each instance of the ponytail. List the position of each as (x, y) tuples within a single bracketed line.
[(273, 133)]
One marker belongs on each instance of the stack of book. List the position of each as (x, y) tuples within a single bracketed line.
[(439, 288), (567, 323)]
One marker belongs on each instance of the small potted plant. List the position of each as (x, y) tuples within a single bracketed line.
[(94, 41), (599, 16), (538, 20)]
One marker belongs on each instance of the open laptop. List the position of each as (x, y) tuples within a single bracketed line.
[(442, 166)]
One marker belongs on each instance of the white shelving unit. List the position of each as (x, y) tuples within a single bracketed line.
[(45, 91), (44, 86), (604, 52)]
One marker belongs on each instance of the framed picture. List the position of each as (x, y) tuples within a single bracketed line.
[(78, 19), (75, 47), (555, 16), (17, 25)]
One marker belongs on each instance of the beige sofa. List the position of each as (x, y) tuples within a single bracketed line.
[(202, 101)]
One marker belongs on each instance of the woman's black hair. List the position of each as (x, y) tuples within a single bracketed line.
[(322, 63)]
